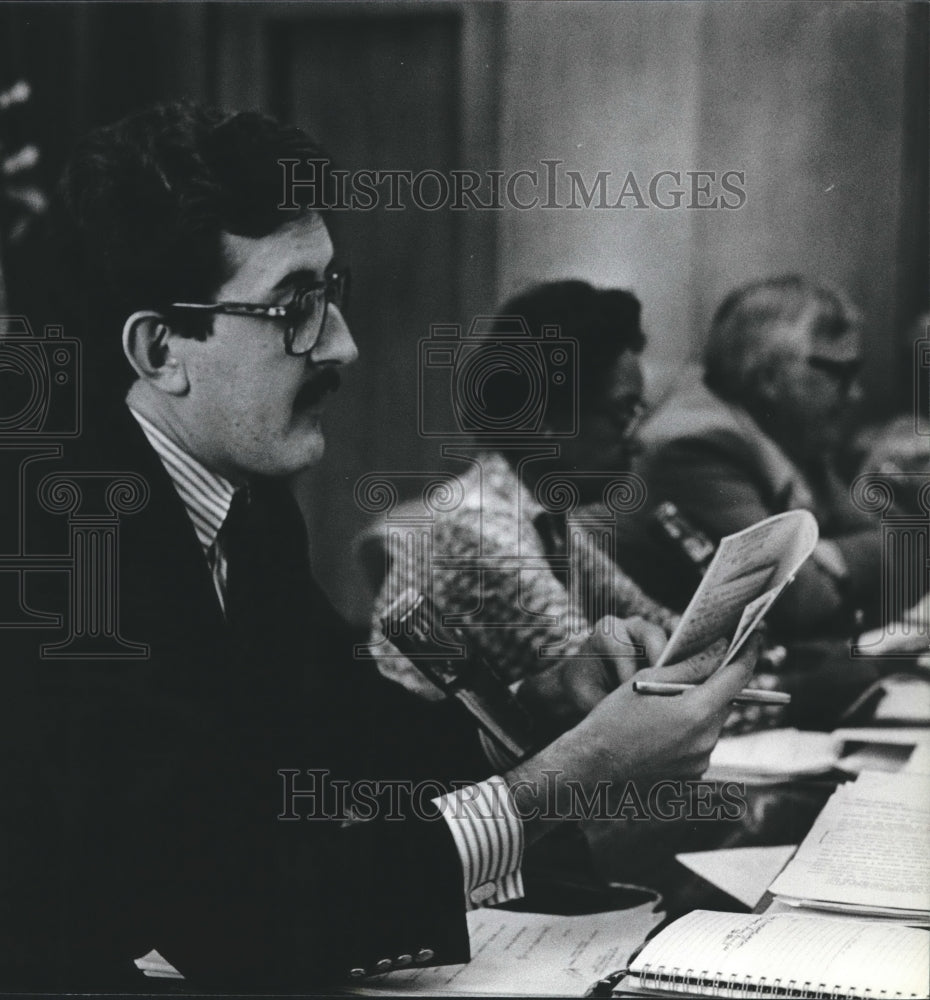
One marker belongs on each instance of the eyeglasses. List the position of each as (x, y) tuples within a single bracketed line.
[(304, 314), (845, 372), (625, 418)]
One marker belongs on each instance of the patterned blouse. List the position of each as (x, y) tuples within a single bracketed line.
[(492, 562)]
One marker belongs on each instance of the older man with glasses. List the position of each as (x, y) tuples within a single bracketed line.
[(761, 433)]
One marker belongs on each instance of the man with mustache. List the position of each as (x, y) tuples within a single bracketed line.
[(173, 783)]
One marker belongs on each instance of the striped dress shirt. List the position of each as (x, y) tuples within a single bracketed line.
[(482, 818)]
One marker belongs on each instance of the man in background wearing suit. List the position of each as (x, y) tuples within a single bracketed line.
[(762, 433), (156, 795)]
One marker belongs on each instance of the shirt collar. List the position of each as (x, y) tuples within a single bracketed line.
[(206, 495)]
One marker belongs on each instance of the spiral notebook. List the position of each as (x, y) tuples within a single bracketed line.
[(708, 954)]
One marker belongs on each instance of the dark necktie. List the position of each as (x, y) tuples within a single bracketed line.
[(250, 599), (240, 537), (551, 529)]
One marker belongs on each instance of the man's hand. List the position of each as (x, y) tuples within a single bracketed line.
[(563, 694), (628, 736)]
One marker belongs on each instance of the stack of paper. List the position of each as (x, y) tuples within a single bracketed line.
[(868, 852)]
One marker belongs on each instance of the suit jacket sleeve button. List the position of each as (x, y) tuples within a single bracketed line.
[(402, 961), (424, 955), (482, 892), (356, 973), (384, 965)]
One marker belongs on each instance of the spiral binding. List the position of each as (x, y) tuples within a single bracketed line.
[(675, 979)]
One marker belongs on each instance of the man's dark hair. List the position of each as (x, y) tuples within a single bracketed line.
[(141, 207), (605, 323)]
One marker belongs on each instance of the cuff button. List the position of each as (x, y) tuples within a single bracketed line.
[(402, 961), (356, 973), (482, 892), (424, 955), (384, 965)]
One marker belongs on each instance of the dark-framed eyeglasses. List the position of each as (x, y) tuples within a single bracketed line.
[(304, 314), (844, 372)]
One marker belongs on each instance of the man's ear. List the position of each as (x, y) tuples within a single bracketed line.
[(148, 343)]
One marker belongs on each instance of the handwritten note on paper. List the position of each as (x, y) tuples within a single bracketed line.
[(529, 954), (748, 572)]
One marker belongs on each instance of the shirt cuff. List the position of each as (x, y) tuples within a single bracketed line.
[(487, 831)]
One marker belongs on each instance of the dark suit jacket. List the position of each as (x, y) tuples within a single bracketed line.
[(724, 474), (140, 796)]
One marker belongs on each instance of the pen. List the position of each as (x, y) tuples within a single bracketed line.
[(748, 696)]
